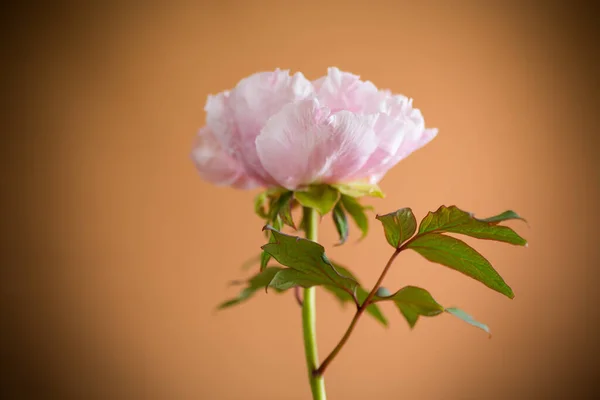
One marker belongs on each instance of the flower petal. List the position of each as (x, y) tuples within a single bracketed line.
[(400, 130), (305, 144), (411, 143), (253, 101), (219, 118), (351, 143), (344, 91), (215, 165)]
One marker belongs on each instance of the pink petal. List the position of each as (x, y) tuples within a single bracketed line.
[(215, 165), (219, 118), (253, 101), (400, 130), (411, 143), (352, 142), (305, 144), (344, 91)]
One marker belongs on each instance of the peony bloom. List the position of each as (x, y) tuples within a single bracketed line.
[(277, 130)]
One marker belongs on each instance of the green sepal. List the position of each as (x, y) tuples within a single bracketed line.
[(341, 223), (263, 202), (356, 212), (283, 209), (260, 202), (320, 197), (359, 189)]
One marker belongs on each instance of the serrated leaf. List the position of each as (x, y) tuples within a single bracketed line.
[(361, 294), (359, 189), (308, 257), (398, 226), (458, 255), (320, 197), (414, 302), (467, 318), (257, 282), (341, 223), (357, 212), (452, 219)]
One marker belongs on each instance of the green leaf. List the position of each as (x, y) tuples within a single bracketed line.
[(359, 189), (414, 302), (452, 219), (398, 226), (288, 278), (357, 212), (266, 257), (249, 263), (320, 197), (341, 223), (281, 279), (361, 294), (308, 257), (258, 281), (458, 255), (505, 216), (467, 318)]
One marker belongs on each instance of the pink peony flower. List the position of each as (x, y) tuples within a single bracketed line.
[(277, 130)]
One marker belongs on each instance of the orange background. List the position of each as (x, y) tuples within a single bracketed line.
[(117, 252)]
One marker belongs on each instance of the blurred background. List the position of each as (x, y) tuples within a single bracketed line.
[(115, 252)]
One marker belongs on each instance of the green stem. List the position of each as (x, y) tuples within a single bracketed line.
[(317, 383)]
